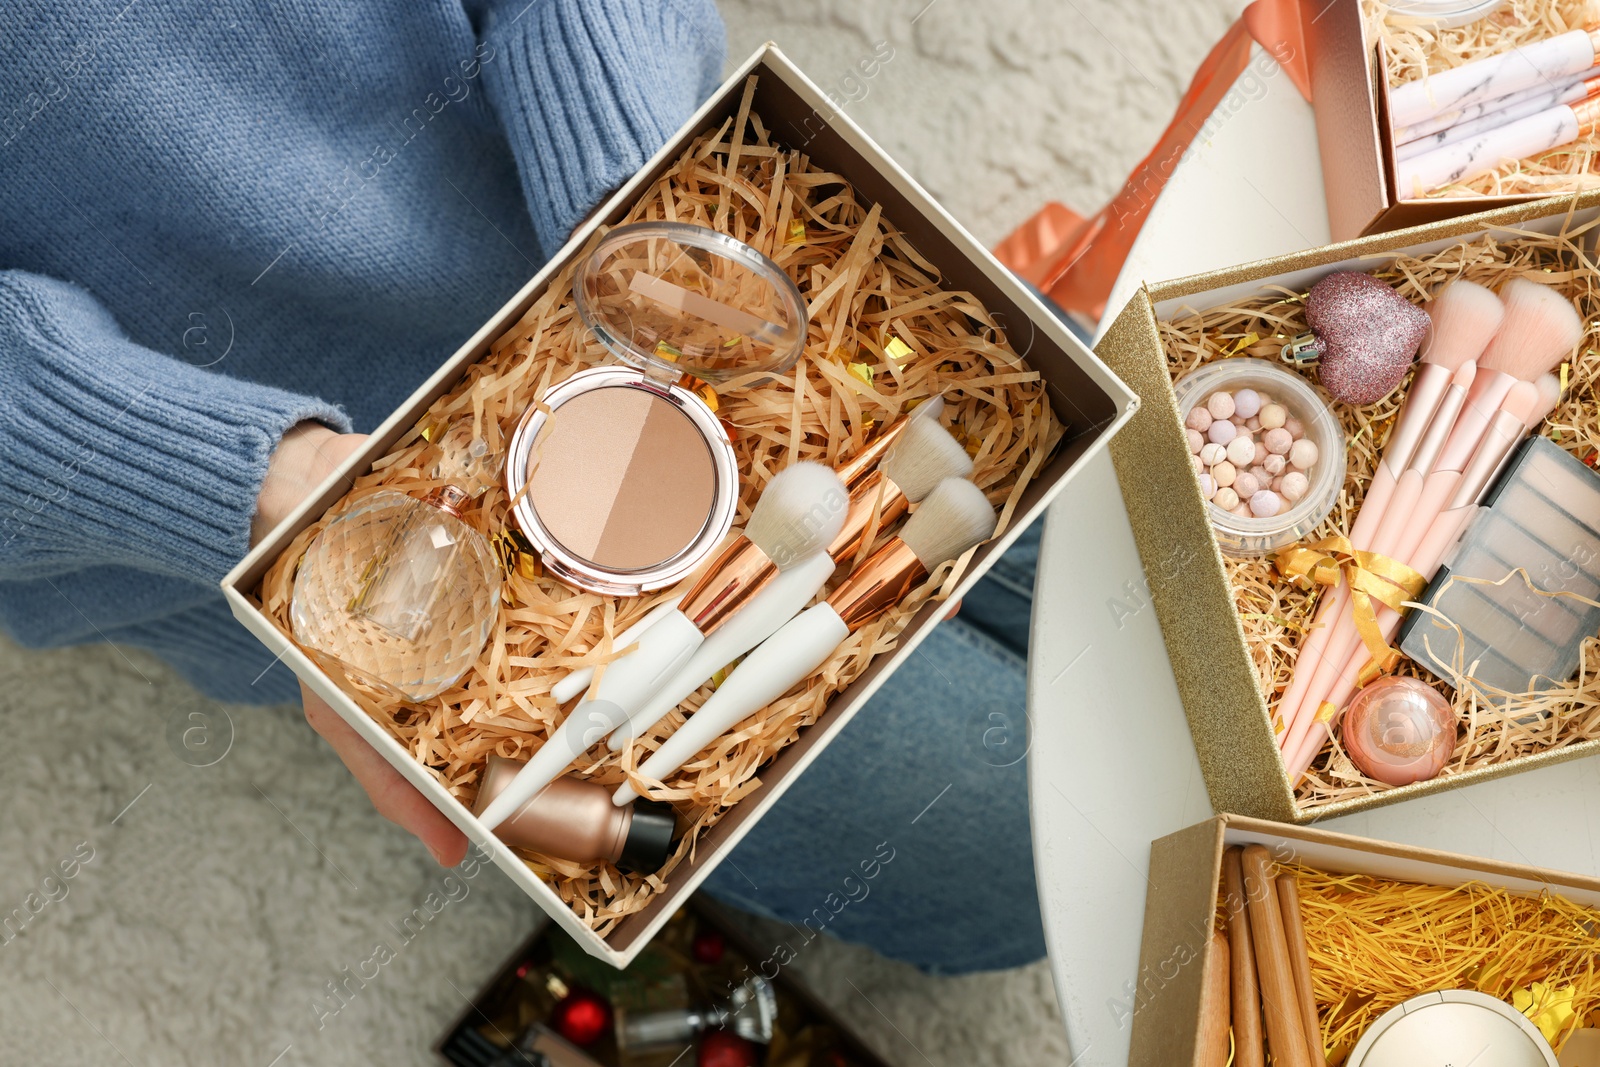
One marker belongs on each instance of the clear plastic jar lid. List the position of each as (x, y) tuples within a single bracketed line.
[(672, 298), (1241, 536), (1439, 14)]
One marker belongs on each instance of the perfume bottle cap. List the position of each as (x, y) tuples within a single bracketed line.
[(650, 833), (449, 499)]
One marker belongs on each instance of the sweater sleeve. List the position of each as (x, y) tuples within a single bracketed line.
[(587, 90), (111, 453)]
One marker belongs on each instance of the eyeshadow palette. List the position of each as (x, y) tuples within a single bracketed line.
[(1515, 600)]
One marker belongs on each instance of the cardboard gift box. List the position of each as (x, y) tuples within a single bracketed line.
[(1229, 717), (1176, 951), (1086, 398), (1350, 95)]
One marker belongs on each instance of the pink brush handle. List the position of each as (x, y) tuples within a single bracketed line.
[(1333, 604), (1341, 631), (1437, 538)]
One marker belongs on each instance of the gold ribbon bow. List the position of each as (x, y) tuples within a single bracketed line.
[(1371, 577)]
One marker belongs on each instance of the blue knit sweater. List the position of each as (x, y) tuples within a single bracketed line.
[(219, 218)]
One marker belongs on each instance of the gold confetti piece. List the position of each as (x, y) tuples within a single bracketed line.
[(1548, 1008), (1242, 343), (897, 349), (1566, 368), (718, 678), (429, 432), (862, 371), (735, 339), (668, 352), (797, 233)]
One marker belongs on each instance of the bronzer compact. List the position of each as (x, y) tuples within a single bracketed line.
[(622, 476)]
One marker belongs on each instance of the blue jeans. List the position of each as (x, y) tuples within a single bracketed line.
[(909, 834)]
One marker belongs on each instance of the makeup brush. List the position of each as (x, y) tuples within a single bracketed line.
[(922, 457), (1465, 316), (1539, 329), (799, 514), (1483, 153), (1531, 103), (1248, 1040), (954, 517), (1336, 635), (852, 471), (1539, 97), (1280, 1004), (1525, 406), (1294, 932), (1215, 1005), (1539, 63)]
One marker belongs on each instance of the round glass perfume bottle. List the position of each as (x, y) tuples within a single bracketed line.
[(400, 591), (1399, 730)]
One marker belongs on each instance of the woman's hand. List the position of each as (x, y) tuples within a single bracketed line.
[(395, 798), (307, 454)]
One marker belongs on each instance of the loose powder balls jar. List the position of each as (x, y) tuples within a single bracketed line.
[(622, 476)]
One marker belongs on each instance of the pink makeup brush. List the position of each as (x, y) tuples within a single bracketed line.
[(1389, 519), (1539, 328), (1465, 315), (1429, 535)]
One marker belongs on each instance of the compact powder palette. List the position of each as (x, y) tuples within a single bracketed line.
[(621, 476)]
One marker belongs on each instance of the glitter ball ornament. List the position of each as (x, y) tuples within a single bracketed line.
[(1364, 334), (582, 1017)]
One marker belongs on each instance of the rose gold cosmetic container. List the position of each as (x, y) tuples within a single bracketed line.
[(574, 819), (622, 476)]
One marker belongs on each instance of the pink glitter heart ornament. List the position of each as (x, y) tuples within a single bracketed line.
[(1364, 334)]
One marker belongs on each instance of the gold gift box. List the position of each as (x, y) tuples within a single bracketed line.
[(1206, 643), (1175, 950)]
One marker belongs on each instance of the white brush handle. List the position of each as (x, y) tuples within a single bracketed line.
[(1529, 105), (1538, 98), (662, 651), (1477, 156), (774, 605), (579, 680), (799, 648), (1539, 63)]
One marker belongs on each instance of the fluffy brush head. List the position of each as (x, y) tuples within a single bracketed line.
[(953, 518), (1540, 327), (924, 456), (1465, 316), (800, 512)]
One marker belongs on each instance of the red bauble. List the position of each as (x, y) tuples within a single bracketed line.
[(719, 1048), (582, 1017), (708, 947)]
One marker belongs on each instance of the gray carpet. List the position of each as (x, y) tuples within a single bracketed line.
[(209, 905)]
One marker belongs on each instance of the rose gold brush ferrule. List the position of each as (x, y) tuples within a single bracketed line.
[(1428, 388), (1439, 429), (883, 580), (731, 580), (863, 463), (1499, 442), (449, 499), (875, 493), (1587, 110)]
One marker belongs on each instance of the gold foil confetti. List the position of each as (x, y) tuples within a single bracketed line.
[(897, 349), (797, 233), (862, 371)]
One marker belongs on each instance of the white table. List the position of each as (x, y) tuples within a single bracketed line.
[(1111, 762)]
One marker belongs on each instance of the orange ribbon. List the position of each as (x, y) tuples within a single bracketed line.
[(1075, 260)]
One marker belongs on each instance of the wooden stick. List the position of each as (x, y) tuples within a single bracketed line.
[(1281, 1008), (1300, 961), (1248, 1043), (1215, 1006)]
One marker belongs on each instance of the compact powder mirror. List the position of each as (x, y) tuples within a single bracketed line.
[(1452, 1029), (622, 476)]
